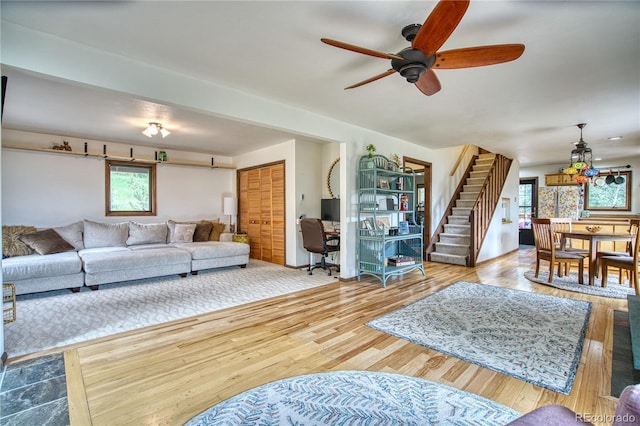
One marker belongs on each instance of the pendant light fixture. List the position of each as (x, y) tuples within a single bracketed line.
[(581, 160)]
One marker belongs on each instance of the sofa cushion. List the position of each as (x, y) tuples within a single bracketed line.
[(202, 232), (72, 234), (11, 244), (103, 260), (47, 241), (146, 233), (214, 249), (98, 234), (180, 232), (37, 266), (216, 230)]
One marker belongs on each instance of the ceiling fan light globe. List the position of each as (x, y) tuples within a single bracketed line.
[(164, 132)]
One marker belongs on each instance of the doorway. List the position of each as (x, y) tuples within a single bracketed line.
[(527, 209), (422, 169)]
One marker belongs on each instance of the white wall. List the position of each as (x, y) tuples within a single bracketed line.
[(503, 237), (632, 160), (47, 189)]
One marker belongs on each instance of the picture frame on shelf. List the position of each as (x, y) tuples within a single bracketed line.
[(383, 223), (403, 227), (383, 183)]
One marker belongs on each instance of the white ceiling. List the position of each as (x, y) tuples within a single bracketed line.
[(581, 64)]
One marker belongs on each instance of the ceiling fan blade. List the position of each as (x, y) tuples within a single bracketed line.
[(439, 25), (428, 83), (359, 49), (372, 79), (478, 56)]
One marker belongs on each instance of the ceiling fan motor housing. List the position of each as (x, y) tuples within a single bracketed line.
[(413, 65)]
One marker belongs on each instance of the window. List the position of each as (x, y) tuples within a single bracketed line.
[(130, 189), (615, 195)]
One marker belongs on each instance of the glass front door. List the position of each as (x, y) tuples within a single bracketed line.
[(527, 206)]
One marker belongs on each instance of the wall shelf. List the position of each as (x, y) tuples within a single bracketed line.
[(123, 158)]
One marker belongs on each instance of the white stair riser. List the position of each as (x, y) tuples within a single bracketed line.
[(449, 258), (457, 229), (458, 220), (465, 203), (455, 239), (458, 249)]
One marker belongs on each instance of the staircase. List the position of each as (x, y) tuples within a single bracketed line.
[(453, 245)]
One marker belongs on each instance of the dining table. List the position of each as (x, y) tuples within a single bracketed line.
[(594, 238)]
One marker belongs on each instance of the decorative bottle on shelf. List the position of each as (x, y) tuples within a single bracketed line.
[(404, 202)]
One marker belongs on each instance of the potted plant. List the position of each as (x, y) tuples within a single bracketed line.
[(370, 150)]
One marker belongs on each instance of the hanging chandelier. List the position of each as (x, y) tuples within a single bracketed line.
[(581, 160)]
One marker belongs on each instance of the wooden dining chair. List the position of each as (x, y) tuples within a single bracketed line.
[(558, 226), (626, 263), (633, 229), (546, 250)]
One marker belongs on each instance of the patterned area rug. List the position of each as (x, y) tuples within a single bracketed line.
[(533, 337), (355, 398), (570, 283), (58, 318)]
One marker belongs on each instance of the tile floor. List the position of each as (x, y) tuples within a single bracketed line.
[(34, 392)]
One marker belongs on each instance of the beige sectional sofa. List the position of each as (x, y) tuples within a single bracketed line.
[(89, 253)]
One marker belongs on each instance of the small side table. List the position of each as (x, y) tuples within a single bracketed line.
[(8, 302), (240, 238)]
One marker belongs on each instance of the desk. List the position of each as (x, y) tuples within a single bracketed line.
[(594, 239)]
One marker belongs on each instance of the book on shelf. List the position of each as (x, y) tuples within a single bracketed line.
[(401, 261)]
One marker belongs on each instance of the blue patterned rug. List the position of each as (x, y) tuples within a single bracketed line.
[(355, 398), (533, 337)]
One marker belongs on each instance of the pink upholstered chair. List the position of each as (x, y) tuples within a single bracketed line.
[(627, 413)]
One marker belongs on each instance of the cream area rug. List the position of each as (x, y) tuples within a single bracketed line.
[(533, 337), (53, 319)]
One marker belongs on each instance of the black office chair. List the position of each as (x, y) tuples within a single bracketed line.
[(315, 240)]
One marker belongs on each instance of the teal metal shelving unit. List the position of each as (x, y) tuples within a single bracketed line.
[(386, 202)]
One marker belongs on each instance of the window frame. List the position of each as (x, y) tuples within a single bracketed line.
[(152, 188), (628, 186)]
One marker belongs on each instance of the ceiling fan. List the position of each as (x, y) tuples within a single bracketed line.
[(416, 63)]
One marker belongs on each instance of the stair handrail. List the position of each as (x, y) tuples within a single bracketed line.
[(486, 204), (460, 157), (449, 210)]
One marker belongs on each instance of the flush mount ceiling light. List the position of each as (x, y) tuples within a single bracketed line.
[(154, 129)]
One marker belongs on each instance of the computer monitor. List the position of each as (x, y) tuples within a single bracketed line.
[(330, 209)]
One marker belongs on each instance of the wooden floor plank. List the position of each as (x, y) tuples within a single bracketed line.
[(168, 373)]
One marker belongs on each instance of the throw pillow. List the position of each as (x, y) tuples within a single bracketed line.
[(203, 229), (72, 234), (217, 229), (181, 232), (147, 233), (11, 244), (46, 242), (98, 234)]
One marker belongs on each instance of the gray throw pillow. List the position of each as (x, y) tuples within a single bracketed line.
[(181, 232), (46, 242), (72, 234), (98, 234), (147, 233)]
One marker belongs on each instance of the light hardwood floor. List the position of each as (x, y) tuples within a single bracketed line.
[(168, 373)]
